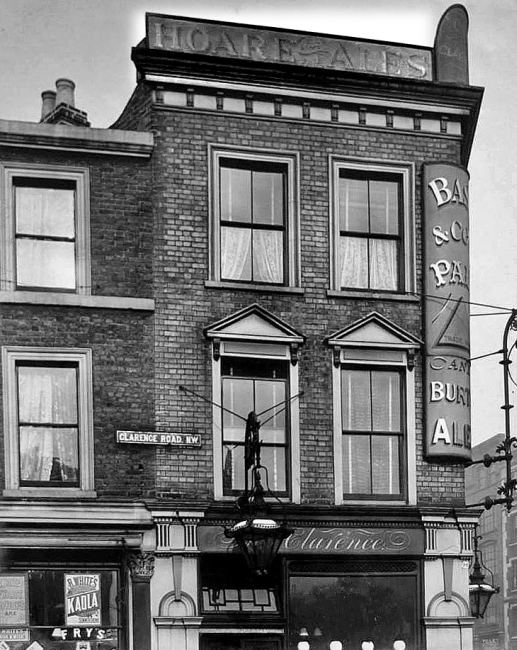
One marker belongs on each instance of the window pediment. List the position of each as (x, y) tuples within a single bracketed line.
[(254, 323), (374, 331)]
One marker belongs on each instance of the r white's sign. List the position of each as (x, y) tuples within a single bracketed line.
[(163, 438), (446, 223), (82, 599)]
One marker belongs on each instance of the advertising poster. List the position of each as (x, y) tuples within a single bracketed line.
[(447, 308), (13, 599), (83, 599)]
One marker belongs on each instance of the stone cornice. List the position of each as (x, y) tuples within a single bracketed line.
[(79, 139)]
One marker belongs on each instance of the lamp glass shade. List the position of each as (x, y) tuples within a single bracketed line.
[(336, 645), (480, 594), (259, 539)]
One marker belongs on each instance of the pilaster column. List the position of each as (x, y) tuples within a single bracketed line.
[(141, 567)]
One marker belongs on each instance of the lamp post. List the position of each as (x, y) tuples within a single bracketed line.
[(257, 535), (480, 592)]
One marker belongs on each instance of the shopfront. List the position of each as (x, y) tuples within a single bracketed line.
[(330, 585)]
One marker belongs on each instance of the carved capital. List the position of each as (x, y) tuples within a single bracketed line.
[(141, 566)]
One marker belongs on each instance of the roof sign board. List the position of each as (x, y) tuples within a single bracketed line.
[(244, 42)]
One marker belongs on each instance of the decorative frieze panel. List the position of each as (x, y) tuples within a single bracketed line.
[(298, 108)]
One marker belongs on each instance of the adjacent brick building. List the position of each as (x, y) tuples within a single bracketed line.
[(248, 236)]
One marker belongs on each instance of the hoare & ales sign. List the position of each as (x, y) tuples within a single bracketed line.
[(446, 224), (335, 540), (275, 46)]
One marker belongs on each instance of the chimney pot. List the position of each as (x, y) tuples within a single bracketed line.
[(48, 102), (65, 92)]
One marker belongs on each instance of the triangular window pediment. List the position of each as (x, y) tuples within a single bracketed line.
[(374, 331), (254, 323)]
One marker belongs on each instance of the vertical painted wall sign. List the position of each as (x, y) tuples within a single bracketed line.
[(446, 226)]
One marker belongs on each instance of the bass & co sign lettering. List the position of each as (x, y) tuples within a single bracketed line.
[(446, 214)]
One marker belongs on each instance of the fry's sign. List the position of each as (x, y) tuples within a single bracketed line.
[(446, 241)]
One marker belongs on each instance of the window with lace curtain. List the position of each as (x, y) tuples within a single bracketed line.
[(45, 241), (372, 227), (254, 238), (48, 420)]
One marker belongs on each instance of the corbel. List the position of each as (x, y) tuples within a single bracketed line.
[(294, 349), (410, 360), (216, 349), (336, 354)]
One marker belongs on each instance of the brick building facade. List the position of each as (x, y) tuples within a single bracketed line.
[(248, 236)]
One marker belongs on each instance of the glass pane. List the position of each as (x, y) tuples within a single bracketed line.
[(356, 400), (268, 256), (47, 600), (269, 394), (356, 464), (384, 274), (353, 253), (384, 207), (386, 401), (237, 398), (386, 465), (353, 205), (268, 199), (41, 263), (49, 454), (274, 460), (45, 211), (235, 254), (47, 395), (233, 468), (235, 195), (352, 608)]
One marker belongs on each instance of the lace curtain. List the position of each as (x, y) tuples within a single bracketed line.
[(48, 424), (45, 212), (238, 262), (368, 263)]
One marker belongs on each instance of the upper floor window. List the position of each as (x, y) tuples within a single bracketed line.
[(374, 412), (254, 223), (259, 385), (372, 229), (372, 402), (255, 369), (48, 421), (45, 241)]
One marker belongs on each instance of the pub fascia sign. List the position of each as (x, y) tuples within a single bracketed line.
[(446, 222), (167, 438), (276, 46), (330, 541)]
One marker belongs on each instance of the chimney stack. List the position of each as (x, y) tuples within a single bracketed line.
[(48, 103), (65, 92), (58, 105)]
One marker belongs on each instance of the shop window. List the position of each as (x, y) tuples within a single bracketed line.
[(229, 588), (372, 227), (255, 368), (370, 601), (374, 416), (61, 608), (254, 223), (45, 239), (48, 421)]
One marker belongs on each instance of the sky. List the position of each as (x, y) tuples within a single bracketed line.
[(90, 42)]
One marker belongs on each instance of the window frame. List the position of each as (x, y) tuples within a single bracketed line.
[(82, 358), (291, 252), (404, 174), (362, 357), (14, 174), (253, 350), (401, 435)]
